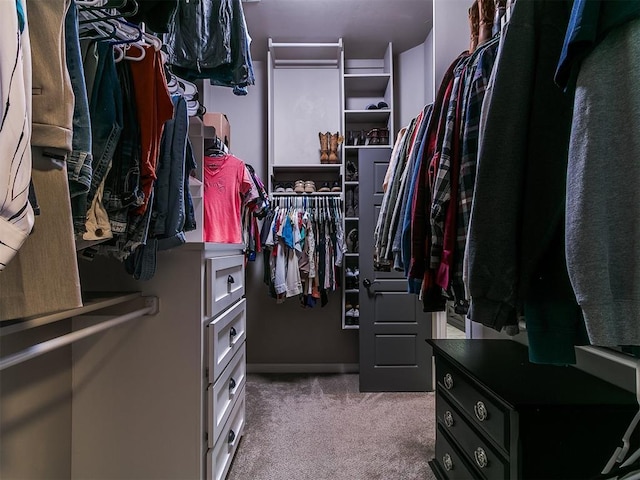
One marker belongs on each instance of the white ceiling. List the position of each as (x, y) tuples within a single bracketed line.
[(366, 26)]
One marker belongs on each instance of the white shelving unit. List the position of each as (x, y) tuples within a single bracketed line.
[(364, 82), (305, 92)]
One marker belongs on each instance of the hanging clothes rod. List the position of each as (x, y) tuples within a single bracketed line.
[(55, 343)]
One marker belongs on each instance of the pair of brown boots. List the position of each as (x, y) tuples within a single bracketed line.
[(329, 147)]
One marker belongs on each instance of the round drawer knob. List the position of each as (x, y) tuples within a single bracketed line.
[(480, 411), (447, 462), (232, 436), (481, 457), (448, 419), (448, 381)]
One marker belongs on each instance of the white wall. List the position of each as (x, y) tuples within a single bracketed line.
[(410, 84), (450, 33), (429, 84), (246, 116)]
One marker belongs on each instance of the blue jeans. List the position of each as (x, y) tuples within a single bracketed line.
[(79, 170), (168, 219), (105, 109), (122, 188)]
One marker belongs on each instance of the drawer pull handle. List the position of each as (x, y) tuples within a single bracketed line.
[(447, 462), (232, 436), (481, 457), (230, 279), (232, 384), (232, 333), (448, 419), (480, 411), (448, 381)]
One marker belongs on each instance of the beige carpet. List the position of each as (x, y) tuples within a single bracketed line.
[(310, 427)]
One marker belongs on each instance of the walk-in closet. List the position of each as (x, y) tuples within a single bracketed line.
[(319, 239)]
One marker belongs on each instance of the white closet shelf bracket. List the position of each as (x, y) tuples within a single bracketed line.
[(151, 308)]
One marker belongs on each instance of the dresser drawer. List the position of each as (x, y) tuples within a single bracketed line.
[(449, 462), (484, 411), (220, 456), (476, 449), (225, 336), (225, 283), (224, 393)]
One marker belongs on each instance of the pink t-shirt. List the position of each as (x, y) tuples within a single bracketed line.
[(225, 182)]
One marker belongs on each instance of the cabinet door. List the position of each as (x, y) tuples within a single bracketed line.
[(394, 355)]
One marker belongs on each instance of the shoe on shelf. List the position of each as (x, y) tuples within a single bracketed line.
[(350, 313), (335, 187), (350, 212), (288, 187), (382, 105), (350, 138), (309, 186), (352, 241), (373, 137), (352, 171), (324, 188), (371, 106), (299, 186), (356, 311), (279, 188)]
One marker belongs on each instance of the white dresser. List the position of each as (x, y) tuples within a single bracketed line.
[(164, 395)]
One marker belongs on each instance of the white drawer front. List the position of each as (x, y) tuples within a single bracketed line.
[(223, 395), (225, 336), (219, 458), (225, 283)]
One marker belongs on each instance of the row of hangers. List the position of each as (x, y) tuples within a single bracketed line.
[(107, 20), (323, 208)]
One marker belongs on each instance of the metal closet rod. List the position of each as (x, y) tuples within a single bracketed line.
[(55, 343)]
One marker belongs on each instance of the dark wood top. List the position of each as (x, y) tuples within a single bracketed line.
[(503, 367)]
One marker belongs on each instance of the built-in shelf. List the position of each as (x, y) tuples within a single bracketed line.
[(315, 194), (366, 83), (367, 116), (291, 55), (352, 183), (307, 167), (351, 327), (351, 254), (352, 219), (352, 290), (357, 147)]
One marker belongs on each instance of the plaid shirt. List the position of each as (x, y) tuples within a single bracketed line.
[(477, 81), (442, 185), (420, 224)]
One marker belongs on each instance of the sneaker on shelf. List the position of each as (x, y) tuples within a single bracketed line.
[(279, 188), (335, 187), (288, 187), (356, 311), (309, 186), (325, 188), (299, 186)]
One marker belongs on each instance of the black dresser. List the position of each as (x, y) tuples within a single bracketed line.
[(501, 417)]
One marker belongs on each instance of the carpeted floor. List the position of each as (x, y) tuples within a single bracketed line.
[(319, 427)]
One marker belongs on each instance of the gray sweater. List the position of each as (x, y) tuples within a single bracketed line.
[(516, 251), (603, 189)]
